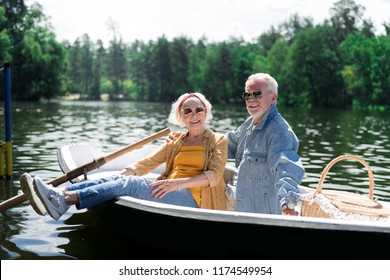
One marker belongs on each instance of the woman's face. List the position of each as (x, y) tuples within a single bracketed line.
[(193, 113)]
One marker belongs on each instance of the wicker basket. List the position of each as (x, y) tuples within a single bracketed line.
[(319, 203)]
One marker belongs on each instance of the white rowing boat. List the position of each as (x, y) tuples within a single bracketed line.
[(203, 233)]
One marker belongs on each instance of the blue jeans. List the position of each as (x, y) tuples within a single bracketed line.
[(94, 192)]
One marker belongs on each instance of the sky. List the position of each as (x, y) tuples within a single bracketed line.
[(217, 20)]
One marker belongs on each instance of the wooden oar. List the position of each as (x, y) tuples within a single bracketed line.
[(83, 169)]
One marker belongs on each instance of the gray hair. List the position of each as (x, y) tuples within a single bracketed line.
[(176, 118), (271, 82)]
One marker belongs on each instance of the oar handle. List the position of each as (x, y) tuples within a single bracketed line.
[(16, 200), (12, 202), (136, 145), (82, 169)]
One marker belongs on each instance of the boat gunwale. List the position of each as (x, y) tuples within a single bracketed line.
[(252, 218)]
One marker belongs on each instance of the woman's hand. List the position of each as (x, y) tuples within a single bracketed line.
[(163, 187), (127, 171)]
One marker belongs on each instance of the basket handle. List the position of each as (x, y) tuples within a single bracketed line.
[(345, 157)]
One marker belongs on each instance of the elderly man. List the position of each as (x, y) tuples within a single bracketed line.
[(265, 150)]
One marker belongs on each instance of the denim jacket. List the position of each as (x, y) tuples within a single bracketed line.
[(269, 167)]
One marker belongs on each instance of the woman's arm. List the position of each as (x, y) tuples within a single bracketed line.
[(217, 161), (151, 162)]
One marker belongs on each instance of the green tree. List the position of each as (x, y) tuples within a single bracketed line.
[(75, 68), (218, 72), (357, 73), (381, 68), (15, 12), (137, 68), (278, 67), (98, 70), (293, 26), (117, 69), (316, 68), (244, 55), (87, 59), (223, 70), (37, 58), (5, 40), (367, 69), (164, 73), (151, 74), (347, 17), (117, 66), (197, 66), (267, 39), (179, 52), (387, 28)]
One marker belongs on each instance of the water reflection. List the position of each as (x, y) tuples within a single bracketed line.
[(39, 129)]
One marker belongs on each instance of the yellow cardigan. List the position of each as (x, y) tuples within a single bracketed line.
[(215, 149)]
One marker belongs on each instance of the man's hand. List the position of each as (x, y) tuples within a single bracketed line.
[(172, 136), (289, 212)]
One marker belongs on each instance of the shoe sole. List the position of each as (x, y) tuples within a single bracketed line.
[(28, 190), (46, 202)]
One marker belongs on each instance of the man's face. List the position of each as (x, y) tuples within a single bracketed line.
[(258, 106)]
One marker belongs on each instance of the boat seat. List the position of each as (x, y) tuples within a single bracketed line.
[(230, 189), (229, 172), (73, 156)]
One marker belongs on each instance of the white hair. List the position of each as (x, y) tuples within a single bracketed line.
[(271, 82), (176, 118)]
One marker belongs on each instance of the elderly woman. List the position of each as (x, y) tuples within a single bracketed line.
[(193, 177)]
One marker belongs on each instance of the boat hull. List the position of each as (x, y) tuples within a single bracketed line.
[(217, 236)]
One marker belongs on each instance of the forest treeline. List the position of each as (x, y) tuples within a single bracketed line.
[(339, 63)]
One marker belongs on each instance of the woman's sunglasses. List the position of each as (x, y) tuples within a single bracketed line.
[(257, 94), (188, 111)]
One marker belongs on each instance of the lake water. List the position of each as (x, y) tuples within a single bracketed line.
[(39, 129)]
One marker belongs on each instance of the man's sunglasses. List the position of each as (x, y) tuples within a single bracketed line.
[(257, 94), (188, 111)]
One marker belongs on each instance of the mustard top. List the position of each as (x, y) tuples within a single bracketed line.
[(189, 162)]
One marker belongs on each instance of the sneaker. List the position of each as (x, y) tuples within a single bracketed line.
[(53, 199), (26, 183)]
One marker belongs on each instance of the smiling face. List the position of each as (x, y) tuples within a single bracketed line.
[(257, 107), (195, 120)]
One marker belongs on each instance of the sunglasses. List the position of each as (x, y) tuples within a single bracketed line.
[(257, 94), (188, 111)]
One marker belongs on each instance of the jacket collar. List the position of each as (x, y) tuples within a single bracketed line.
[(207, 134), (272, 111)]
